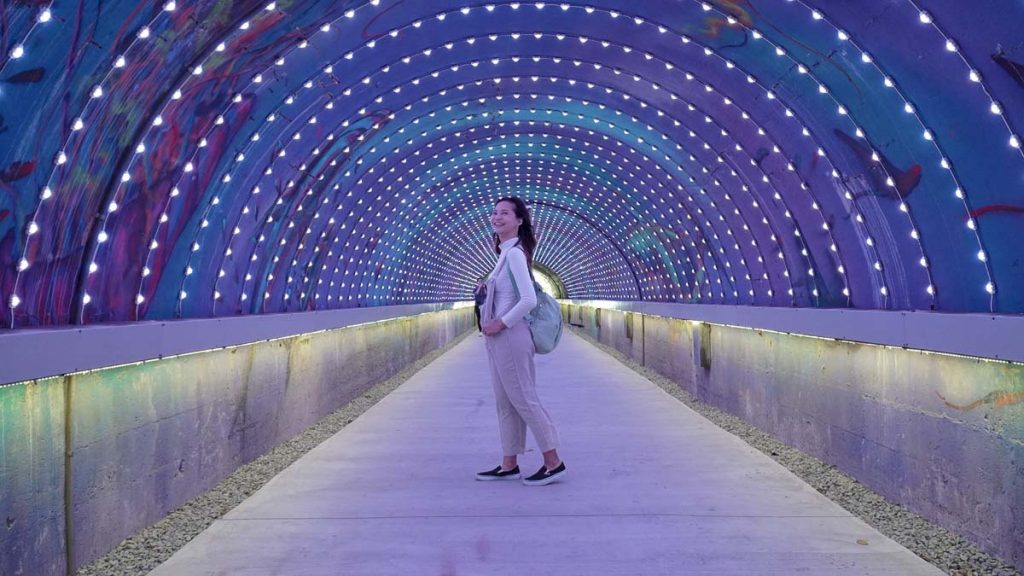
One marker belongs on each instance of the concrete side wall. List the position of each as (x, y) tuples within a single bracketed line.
[(146, 438), (941, 435), (32, 478)]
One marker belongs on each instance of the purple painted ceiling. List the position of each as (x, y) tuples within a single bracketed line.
[(167, 160)]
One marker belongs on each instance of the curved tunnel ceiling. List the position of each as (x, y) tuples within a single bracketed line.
[(218, 158)]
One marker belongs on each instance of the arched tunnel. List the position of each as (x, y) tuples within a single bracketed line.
[(806, 213)]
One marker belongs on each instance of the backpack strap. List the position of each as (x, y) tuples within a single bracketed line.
[(528, 267), (512, 278)]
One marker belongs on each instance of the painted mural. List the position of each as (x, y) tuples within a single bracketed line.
[(190, 159)]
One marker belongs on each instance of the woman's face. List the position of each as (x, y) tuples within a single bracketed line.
[(504, 221)]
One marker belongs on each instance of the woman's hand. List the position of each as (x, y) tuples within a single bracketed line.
[(492, 327)]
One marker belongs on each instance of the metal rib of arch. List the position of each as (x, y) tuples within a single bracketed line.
[(301, 156)]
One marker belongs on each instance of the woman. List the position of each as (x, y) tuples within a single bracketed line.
[(510, 347)]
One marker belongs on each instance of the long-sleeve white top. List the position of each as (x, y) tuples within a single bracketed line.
[(506, 306)]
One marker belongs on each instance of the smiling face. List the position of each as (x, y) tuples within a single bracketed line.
[(504, 220)]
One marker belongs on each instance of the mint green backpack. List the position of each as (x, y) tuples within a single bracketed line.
[(545, 319)]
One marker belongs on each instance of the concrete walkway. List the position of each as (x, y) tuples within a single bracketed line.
[(653, 488)]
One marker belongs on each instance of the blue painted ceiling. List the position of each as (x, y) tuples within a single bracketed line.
[(193, 159)]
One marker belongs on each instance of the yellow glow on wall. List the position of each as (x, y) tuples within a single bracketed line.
[(547, 283)]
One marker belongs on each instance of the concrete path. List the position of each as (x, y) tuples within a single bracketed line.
[(652, 488)]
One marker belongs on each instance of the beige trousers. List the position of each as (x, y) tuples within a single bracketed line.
[(515, 388)]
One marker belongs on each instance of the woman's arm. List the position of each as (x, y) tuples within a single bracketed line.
[(516, 260)]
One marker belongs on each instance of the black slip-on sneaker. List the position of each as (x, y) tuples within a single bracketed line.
[(499, 474), (544, 477)]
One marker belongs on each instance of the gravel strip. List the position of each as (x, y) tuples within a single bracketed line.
[(147, 549), (942, 548)]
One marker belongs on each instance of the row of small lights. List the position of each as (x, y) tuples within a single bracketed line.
[(950, 46), (427, 185), (78, 125), (442, 202), (780, 52), (555, 245), (589, 273), (600, 260), (17, 52), (973, 76), (563, 8), (171, 7), (844, 112), (546, 222), (579, 256), (525, 175), (563, 241), (183, 292), (930, 287), (472, 230), (452, 198)]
